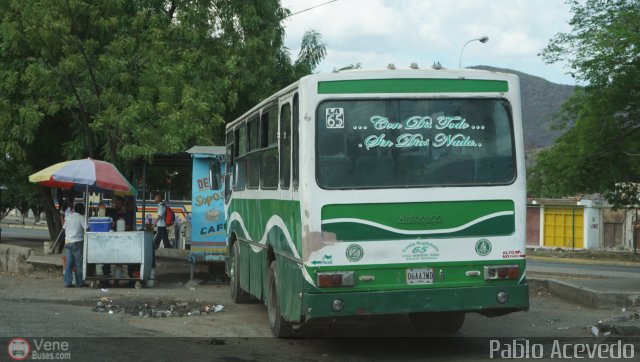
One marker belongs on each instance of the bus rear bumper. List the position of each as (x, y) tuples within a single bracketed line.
[(469, 299)]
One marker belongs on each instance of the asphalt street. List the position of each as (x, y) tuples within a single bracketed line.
[(582, 269), (9, 232), (37, 307)]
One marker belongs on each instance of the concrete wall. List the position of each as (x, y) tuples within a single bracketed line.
[(13, 259), (592, 228)]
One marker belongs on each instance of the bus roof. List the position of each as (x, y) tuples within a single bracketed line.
[(362, 74)]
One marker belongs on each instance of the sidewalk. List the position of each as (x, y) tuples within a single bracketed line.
[(596, 279), (16, 222)]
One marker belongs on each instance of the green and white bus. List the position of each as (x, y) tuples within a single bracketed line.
[(377, 192)]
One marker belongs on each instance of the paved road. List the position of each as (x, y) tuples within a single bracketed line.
[(589, 270), (32, 311)]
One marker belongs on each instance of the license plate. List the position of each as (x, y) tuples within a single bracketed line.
[(420, 276)]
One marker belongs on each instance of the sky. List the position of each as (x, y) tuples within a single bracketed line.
[(378, 32)]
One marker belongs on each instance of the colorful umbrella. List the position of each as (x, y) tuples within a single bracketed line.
[(84, 175)]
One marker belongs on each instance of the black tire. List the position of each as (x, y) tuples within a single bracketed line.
[(451, 322), (425, 323), (238, 295), (279, 326)]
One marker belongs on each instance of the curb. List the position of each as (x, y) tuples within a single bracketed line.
[(20, 226), (586, 296), (169, 263), (583, 261)]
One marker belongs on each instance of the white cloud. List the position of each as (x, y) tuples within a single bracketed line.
[(378, 32)]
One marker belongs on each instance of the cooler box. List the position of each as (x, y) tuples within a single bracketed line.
[(100, 224)]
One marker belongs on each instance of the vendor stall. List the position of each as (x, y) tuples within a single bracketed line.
[(122, 249), (101, 244)]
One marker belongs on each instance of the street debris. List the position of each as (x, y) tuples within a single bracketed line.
[(192, 284), (595, 331), (218, 342), (159, 308), (627, 324)]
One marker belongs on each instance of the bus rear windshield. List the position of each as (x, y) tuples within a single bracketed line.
[(414, 143)]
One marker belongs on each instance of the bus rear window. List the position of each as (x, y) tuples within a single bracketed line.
[(414, 143)]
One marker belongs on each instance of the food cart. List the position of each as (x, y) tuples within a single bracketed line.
[(101, 245), (118, 248)]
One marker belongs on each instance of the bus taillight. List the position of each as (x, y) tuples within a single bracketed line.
[(501, 272), (336, 279)]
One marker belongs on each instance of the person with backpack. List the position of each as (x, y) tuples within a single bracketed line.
[(162, 222)]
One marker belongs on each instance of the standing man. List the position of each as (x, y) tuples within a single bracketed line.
[(74, 227), (162, 234)]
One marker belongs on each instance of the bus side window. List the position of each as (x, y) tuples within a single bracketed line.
[(240, 161), (295, 141), (285, 146), (269, 149), (229, 157), (253, 156)]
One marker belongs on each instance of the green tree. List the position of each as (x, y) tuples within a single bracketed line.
[(120, 80), (602, 148)]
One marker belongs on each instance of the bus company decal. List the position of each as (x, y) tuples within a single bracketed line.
[(483, 247), (354, 253), (343, 253), (420, 250)]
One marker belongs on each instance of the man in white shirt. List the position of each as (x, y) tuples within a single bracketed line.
[(162, 235), (74, 228)]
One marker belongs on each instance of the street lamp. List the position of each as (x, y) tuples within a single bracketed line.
[(2, 188), (482, 39)]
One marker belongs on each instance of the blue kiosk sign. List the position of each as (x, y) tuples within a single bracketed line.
[(207, 204)]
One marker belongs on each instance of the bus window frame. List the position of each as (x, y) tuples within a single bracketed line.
[(267, 145), (284, 138), (295, 141), (510, 122)]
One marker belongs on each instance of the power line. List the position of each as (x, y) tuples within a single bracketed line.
[(307, 9)]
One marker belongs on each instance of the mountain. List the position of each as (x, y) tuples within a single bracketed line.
[(541, 102)]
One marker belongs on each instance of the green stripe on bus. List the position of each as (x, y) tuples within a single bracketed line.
[(412, 86), (499, 226), (418, 215)]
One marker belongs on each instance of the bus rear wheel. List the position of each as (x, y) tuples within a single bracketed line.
[(451, 322), (279, 326), (426, 322), (238, 295)]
